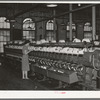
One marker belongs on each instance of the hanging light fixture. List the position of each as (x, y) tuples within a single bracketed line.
[(52, 5), (12, 20), (7, 20)]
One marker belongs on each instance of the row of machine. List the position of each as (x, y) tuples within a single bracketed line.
[(68, 62)]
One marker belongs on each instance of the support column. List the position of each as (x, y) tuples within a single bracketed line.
[(54, 26), (70, 23), (98, 80), (93, 22)]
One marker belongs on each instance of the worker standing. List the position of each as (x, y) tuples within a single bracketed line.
[(25, 61)]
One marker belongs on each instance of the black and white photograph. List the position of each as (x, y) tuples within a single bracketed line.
[(51, 46)]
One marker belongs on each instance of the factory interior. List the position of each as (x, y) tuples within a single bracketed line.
[(64, 46)]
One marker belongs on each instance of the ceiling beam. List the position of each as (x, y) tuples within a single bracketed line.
[(65, 13)]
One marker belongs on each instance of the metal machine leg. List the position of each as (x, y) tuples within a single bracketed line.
[(84, 77), (98, 80)]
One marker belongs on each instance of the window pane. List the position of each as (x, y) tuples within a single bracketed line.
[(4, 24), (49, 25), (28, 22), (28, 28), (73, 26), (1, 38), (4, 34), (87, 27)]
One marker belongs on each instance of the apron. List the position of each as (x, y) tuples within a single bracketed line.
[(25, 61)]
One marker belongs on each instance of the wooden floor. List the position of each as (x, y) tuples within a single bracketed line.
[(10, 79)]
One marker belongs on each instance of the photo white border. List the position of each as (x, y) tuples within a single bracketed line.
[(48, 94), (35, 94), (52, 1)]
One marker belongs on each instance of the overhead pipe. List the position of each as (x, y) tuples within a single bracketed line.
[(74, 10)]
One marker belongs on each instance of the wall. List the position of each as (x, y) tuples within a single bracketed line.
[(80, 31), (2, 12), (61, 32)]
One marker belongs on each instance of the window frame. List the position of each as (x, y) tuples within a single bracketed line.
[(28, 22), (4, 39), (50, 29)]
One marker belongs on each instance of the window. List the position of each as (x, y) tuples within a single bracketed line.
[(4, 24), (50, 36), (88, 30), (87, 27), (4, 33), (73, 26), (73, 29), (49, 25), (28, 29)]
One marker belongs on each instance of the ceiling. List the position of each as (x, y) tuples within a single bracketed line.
[(14, 10)]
